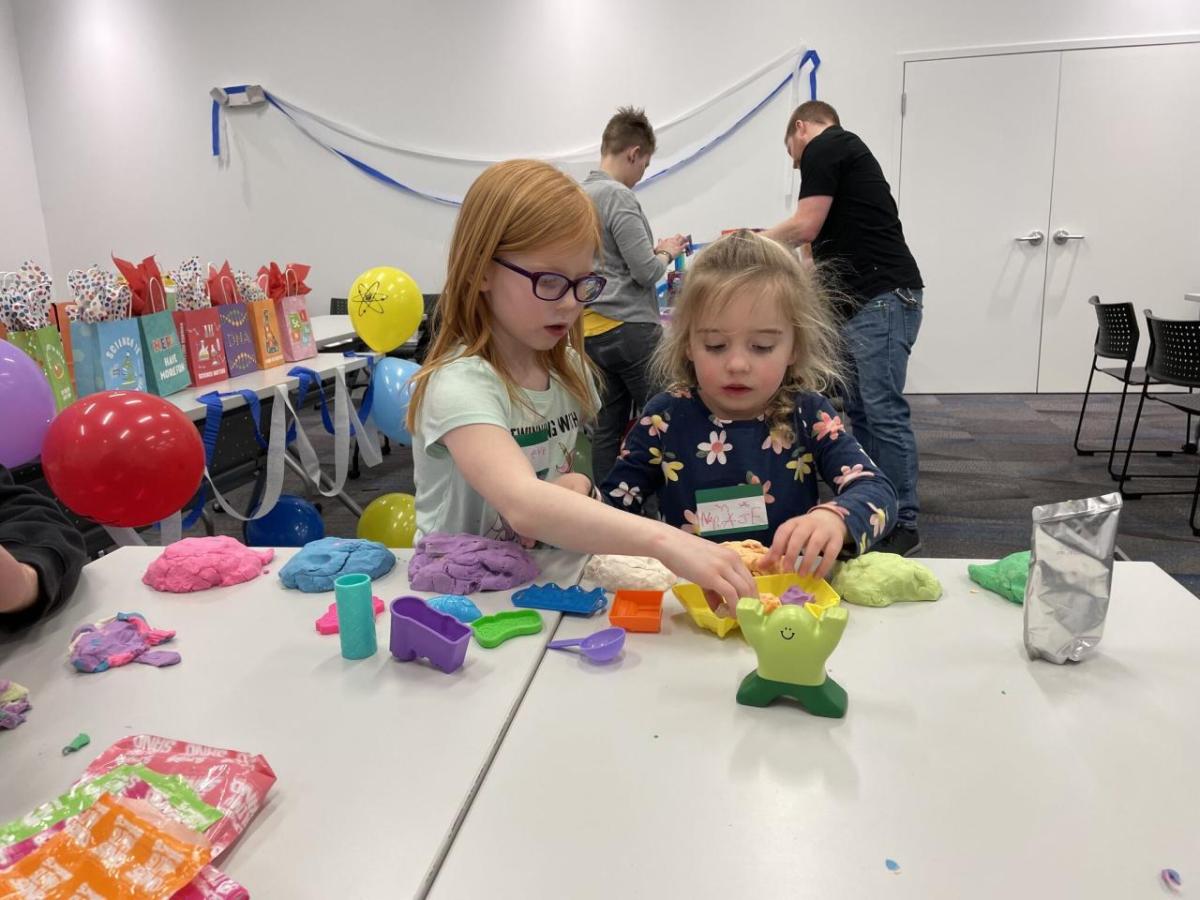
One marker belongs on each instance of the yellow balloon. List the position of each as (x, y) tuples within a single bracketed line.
[(390, 519), (385, 306)]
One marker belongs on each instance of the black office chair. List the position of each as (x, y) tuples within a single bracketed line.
[(1117, 337), (1174, 359)]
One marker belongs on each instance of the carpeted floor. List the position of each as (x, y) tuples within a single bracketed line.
[(986, 461)]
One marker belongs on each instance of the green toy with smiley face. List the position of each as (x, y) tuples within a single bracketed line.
[(792, 644)]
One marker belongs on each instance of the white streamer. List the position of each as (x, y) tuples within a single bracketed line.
[(580, 154)]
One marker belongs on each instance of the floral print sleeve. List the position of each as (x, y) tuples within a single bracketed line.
[(864, 497), (642, 465)]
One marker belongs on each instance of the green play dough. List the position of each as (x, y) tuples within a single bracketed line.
[(881, 579), (1007, 577)]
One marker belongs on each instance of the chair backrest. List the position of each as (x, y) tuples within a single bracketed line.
[(429, 327), (1174, 356), (338, 306), (1117, 332)]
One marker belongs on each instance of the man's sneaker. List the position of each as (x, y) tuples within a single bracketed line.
[(904, 541)]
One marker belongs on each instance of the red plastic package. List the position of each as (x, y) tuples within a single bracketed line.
[(236, 783)]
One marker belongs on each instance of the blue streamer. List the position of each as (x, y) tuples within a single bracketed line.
[(359, 164), (212, 429), (310, 379), (216, 117), (811, 57)]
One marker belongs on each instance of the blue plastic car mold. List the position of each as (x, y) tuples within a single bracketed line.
[(557, 599)]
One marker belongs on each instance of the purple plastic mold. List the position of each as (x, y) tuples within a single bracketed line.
[(418, 630)]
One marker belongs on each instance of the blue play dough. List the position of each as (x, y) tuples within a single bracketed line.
[(315, 568), (455, 605)]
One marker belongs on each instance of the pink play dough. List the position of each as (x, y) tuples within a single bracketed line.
[(196, 564)]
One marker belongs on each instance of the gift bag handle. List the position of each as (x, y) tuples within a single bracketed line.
[(162, 292), (233, 295)]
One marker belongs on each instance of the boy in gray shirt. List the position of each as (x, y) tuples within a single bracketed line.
[(622, 328)]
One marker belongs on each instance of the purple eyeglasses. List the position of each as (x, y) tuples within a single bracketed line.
[(551, 286)]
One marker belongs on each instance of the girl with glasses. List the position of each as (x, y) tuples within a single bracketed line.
[(497, 407)]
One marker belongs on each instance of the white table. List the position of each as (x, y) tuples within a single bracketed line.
[(376, 759), (262, 382), (331, 330), (983, 774)]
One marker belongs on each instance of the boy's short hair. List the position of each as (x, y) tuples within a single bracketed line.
[(628, 128), (813, 111)]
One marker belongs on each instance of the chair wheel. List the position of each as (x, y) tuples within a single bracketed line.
[(1085, 452), (1129, 496), (1190, 447), (1163, 454)]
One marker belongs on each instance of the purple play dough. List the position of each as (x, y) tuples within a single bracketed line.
[(464, 564), (796, 595)]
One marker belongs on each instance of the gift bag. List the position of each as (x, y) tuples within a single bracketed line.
[(286, 288), (240, 355), (298, 342), (222, 286), (108, 356), (200, 332), (172, 292), (105, 342), (264, 325), (25, 309), (165, 357), (45, 346), (63, 314)]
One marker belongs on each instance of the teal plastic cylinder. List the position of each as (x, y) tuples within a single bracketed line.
[(356, 618)]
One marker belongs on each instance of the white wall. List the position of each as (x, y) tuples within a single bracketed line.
[(22, 228), (117, 95)]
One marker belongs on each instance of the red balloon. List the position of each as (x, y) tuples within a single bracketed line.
[(123, 458)]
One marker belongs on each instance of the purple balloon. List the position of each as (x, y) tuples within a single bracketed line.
[(27, 403)]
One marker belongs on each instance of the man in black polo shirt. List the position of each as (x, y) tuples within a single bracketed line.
[(846, 212)]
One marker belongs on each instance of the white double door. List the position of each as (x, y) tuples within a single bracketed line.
[(1099, 146)]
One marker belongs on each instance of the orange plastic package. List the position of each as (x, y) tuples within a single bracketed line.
[(119, 848)]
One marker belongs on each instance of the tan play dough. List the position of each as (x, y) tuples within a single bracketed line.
[(752, 553), (628, 573)]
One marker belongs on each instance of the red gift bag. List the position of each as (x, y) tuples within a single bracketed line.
[(200, 332)]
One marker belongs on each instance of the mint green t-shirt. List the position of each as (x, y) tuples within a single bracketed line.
[(468, 391)]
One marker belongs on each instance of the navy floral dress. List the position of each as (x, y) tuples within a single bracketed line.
[(679, 447)]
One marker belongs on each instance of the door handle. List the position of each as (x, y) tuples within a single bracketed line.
[(1062, 236), (1033, 238)]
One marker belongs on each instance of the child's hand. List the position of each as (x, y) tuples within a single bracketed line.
[(718, 570), (573, 481), (817, 533), (18, 583)]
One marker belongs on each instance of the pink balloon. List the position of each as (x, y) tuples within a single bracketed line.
[(26, 406)]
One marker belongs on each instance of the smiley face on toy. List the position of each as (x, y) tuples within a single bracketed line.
[(792, 642)]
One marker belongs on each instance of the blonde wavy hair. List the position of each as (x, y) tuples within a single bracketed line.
[(514, 206), (746, 261)]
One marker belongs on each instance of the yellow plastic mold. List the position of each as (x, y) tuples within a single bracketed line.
[(691, 597)]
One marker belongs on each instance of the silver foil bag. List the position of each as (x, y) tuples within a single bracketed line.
[(1070, 577)]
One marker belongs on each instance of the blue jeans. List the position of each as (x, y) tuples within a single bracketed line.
[(879, 339)]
